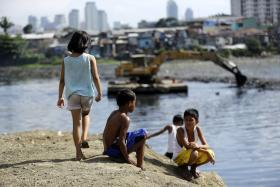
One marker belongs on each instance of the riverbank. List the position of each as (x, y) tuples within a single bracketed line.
[(262, 73), (43, 158)]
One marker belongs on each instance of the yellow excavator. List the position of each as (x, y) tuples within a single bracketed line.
[(142, 70)]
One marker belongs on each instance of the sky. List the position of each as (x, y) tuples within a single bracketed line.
[(126, 11)]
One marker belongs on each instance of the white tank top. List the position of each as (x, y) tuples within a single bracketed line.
[(77, 75), (172, 139), (177, 148)]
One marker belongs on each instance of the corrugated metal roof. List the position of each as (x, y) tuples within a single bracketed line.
[(38, 36)]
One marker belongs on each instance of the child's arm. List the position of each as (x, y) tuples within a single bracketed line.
[(60, 101), (96, 80), (122, 137), (182, 140), (202, 139), (167, 127)]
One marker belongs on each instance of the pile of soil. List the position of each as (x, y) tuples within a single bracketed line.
[(43, 158)]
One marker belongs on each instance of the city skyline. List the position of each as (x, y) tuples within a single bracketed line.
[(153, 11)]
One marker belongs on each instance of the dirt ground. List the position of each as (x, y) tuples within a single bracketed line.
[(43, 158)]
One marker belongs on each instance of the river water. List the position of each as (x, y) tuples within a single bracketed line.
[(242, 126)]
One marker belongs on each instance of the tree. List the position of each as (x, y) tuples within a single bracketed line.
[(253, 46), (5, 24), (27, 29), (11, 49), (167, 22)]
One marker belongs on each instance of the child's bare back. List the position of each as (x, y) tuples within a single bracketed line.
[(115, 123), (118, 143)]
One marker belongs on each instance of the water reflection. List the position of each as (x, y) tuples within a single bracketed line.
[(241, 125), (147, 100), (240, 92)]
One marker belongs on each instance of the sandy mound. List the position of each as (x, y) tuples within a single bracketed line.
[(42, 158)]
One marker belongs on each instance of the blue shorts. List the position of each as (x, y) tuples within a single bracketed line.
[(131, 139)]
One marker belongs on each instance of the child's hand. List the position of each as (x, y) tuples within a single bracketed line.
[(98, 98), (212, 159), (60, 102), (194, 145), (131, 162)]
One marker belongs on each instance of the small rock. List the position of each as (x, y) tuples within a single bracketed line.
[(59, 133)]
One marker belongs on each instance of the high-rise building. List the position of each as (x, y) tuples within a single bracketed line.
[(102, 21), (117, 25), (32, 20), (60, 21), (91, 18), (73, 19), (44, 22), (189, 14), (172, 9), (265, 11), (236, 8)]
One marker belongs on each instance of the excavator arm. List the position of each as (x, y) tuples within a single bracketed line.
[(149, 68)]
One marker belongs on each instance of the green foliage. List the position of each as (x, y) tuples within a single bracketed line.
[(107, 61), (196, 48), (225, 53), (5, 24), (253, 46), (27, 29), (241, 52), (11, 48), (14, 51), (271, 48), (167, 22)]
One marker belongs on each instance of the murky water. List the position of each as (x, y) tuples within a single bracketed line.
[(242, 126)]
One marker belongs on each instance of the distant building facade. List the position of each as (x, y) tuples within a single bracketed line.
[(265, 11), (117, 25), (44, 22), (236, 8), (102, 21), (60, 21), (172, 9), (73, 18), (32, 20), (189, 14), (91, 17)]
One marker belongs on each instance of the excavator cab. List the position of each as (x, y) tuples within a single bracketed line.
[(142, 60), (139, 68)]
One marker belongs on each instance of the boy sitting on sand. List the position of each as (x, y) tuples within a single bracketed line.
[(187, 151), (118, 143)]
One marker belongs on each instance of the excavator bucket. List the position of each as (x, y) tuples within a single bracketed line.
[(240, 78), (231, 67)]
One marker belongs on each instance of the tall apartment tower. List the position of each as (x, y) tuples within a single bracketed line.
[(266, 11), (91, 18), (103, 21), (32, 20), (60, 21), (236, 8), (189, 14), (172, 9), (73, 18)]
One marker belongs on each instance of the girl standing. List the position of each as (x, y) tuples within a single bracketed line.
[(78, 73)]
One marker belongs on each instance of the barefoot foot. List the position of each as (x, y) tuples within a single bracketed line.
[(194, 173)]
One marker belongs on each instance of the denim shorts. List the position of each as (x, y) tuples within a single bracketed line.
[(79, 102)]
